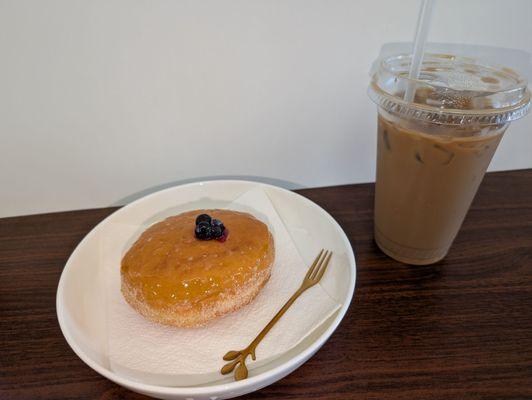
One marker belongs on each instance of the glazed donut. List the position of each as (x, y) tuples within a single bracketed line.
[(172, 277)]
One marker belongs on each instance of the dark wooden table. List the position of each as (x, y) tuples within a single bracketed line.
[(459, 329)]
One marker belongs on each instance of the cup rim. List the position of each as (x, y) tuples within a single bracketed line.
[(449, 116)]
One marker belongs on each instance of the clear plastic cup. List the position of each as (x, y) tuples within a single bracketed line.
[(432, 153)]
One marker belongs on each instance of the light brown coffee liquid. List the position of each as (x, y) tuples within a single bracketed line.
[(427, 176)]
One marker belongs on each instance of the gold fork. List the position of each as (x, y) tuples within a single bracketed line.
[(238, 358)]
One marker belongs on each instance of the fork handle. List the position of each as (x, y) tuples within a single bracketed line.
[(273, 321)]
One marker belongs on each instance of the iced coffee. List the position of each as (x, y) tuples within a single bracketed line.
[(432, 153)]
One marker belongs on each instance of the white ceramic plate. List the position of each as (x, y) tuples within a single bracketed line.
[(79, 304)]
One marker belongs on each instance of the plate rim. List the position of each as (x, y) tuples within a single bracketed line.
[(254, 382)]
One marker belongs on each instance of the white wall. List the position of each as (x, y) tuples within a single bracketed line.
[(102, 100)]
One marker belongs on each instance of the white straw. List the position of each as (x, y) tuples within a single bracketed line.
[(422, 32)]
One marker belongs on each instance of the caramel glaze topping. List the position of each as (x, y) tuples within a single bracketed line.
[(169, 266)]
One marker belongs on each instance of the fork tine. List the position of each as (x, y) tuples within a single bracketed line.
[(313, 266), (315, 272), (323, 267)]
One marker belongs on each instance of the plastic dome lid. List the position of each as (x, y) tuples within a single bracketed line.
[(450, 90)]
